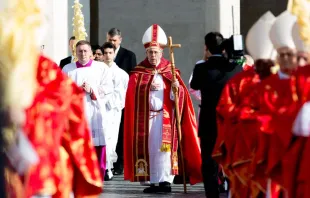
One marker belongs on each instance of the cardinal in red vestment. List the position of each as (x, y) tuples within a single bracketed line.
[(56, 126), (151, 146), (277, 106), (300, 184), (238, 128), (49, 149)]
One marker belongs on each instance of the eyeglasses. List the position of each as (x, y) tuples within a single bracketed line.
[(153, 52)]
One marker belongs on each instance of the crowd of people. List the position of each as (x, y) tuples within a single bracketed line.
[(71, 127), (254, 124)]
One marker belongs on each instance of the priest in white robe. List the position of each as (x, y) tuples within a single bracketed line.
[(96, 80), (114, 105)]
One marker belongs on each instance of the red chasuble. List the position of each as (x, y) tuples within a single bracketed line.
[(56, 126), (301, 79), (237, 132), (276, 103), (298, 179), (278, 106), (136, 125), (225, 112)]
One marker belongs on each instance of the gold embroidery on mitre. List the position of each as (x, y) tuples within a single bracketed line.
[(141, 168)]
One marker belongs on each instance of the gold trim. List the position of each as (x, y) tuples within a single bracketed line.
[(141, 168), (240, 162), (146, 119), (136, 125)]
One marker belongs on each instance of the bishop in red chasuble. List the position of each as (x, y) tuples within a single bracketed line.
[(52, 154), (151, 143)]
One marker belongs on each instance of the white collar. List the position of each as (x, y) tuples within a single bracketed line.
[(200, 61), (113, 64), (282, 75)]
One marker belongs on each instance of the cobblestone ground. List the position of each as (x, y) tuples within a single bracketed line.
[(118, 188)]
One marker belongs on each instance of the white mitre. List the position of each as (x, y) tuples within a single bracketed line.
[(281, 31), (258, 42), (154, 36), (301, 46), (301, 126)]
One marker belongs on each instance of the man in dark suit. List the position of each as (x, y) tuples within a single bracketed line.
[(69, 59), (126, 60), (210, 78)]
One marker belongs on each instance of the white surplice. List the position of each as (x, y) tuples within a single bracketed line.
[(160, 162), (99, 77), (114, 109), (301, 126), (195, 93)]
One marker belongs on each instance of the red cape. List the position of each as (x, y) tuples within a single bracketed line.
[(57, 128), (190, 142)]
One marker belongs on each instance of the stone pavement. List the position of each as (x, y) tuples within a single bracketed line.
[(118, 188)]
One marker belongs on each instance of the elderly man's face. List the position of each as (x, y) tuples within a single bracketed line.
[(154, 55), (84, 53), (287, 59), (116, 40)]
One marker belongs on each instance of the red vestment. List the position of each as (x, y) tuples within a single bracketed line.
[(57, 128), (226, 112), (276, 103), (300, 183), (236, 134), (136, 127)]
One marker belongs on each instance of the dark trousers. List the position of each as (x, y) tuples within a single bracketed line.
[(209, 168), (2, 178), (119, 164)]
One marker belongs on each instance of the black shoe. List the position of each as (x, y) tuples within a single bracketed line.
[(106, 176), (222, 188), (151, 189), (164, 187)]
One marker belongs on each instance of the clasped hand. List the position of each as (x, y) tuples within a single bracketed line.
[(86, 87)]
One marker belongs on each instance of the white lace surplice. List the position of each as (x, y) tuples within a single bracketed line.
[(115, 104), (99, 77)]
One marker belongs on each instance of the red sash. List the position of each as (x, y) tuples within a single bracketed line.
[(145, 75)]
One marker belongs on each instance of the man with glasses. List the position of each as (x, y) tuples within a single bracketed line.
[(151, 146), (275, 104)]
